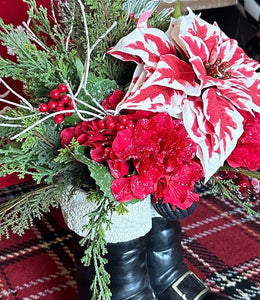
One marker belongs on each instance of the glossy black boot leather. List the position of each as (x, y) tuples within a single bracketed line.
[(169, 276), (126, 266)]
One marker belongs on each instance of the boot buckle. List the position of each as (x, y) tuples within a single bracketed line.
[(189, 287)]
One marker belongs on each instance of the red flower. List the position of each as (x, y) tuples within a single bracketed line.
[(112, 101), (160, 154), (67, 135), (177, 188), (247, 151), (152, 154)]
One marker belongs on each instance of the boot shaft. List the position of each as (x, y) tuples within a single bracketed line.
[(127, 268), (164, 254)]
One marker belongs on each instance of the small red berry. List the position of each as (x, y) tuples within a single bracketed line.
[(110, 124), (131, 15), (59, 108), (58, 119), (43, 107), (130, 124), (70, 104), (119, 127), (62, 88), (123, 120), (65, 98), (52, 104), (55, 94), (60, 103), (68, 114), (101, 124)]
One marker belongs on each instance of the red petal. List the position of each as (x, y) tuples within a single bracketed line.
[(121, 189), (66, 136)]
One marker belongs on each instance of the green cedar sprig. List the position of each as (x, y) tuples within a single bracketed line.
[(39, 68), (17, 215), (228, 190), (95, 242), (43, 28)]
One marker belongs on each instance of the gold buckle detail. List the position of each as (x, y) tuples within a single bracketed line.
[(183, 277)]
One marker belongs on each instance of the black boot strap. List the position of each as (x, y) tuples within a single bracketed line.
[(189, 287)]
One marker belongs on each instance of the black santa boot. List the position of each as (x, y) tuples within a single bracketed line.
[(126, 266), (169, 276)]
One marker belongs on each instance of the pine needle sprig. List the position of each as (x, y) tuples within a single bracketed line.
[(227, 189), (39, 69), (17, 215), (95, 243), (224, 187), (42, 26)]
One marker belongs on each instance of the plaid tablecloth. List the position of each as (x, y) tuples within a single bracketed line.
[(220, 244)]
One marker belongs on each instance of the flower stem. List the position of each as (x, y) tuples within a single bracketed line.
[(254, 174)]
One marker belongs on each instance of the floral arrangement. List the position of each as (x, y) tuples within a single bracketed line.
[(124, 101)]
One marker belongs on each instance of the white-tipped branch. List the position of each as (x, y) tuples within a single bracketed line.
[(14, 103), (94, 100), (74, 103), (70, 30), (32, 36), (85, 72), (102, 36), (89, 50), (10, 125), (5, 94), (16, 118), (103, 112), (68, 38), (52, 115), (29, 106), (54, 17)]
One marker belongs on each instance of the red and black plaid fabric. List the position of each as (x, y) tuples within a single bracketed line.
[(220, 244)]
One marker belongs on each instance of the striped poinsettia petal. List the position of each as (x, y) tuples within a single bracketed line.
[(255, 88), (243, 99), (175, 73), (139, 77), (215, 125), (195, 37), (171, 80), (155, 98), (143, 45)]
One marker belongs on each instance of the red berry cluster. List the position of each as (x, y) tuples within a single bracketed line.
[(115, 123), (108, 128), (247, 191), (59, 101), (97, 134)]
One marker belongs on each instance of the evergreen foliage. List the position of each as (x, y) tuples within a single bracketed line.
[(18, 214)]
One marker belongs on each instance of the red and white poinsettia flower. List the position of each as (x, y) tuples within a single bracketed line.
[(161, 80), (207, 87), (229, 83)]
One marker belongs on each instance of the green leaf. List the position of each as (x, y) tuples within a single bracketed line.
[(79, 66), (99, 88), (98, 172)]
